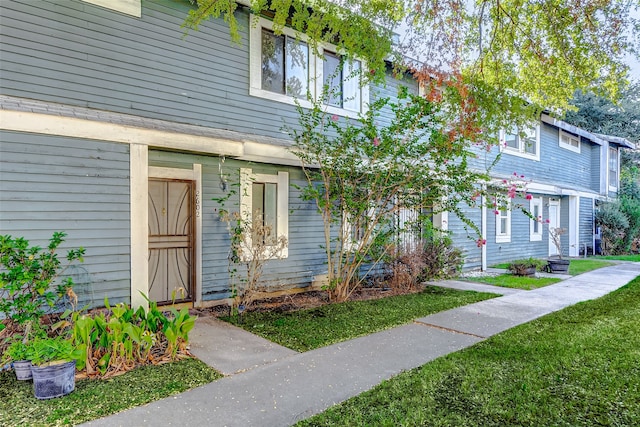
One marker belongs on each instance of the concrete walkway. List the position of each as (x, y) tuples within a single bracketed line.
[(268, 385)]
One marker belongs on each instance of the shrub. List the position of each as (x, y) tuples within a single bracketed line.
[(519, 267), (441, 259), (27, 274), (613, 225), (404, 272)]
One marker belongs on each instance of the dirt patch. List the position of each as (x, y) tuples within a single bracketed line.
[(304, 300)]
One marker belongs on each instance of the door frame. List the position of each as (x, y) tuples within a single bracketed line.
[(140, 172), (194, 175)]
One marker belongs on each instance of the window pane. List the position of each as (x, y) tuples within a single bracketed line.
[(332, 79), (272, 62), (536, 214), (270, 208), (511, 139), (613, 167), (530, 141), (297, 67), (351, 86), (503, 225)]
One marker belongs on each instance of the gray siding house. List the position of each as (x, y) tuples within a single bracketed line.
[(120, 130)]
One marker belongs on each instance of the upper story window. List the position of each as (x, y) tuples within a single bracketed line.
[(524, 142), (613, 168), (284, 65), (341, 79), (284, 68), (569, 141)]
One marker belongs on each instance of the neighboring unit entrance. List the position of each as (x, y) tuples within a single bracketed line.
[(171, 240)]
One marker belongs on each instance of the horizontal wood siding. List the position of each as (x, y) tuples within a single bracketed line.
[(465, 239), (305, 259), (77, 186), (75, 53), (558, 166)]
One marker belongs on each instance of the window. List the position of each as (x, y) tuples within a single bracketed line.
[(265, 197), (521, 142), (503, 223), (613, 168), (342, 80), (284, 65), (535, 208), (284, 68), (569, 141)]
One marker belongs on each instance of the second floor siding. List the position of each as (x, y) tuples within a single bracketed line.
[(74, 53), (557, 165)]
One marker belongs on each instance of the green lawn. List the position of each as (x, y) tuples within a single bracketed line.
[(576, 367), (579, 266), (98, 398), (516, 282), (633, 258), (308, 329)]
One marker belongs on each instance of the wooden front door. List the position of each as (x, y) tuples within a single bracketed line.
[(171, 237)]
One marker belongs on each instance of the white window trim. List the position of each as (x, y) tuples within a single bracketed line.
[(247, 178), (613, 186), (533, 236), (129, 7), (569, 146), (315, 71), (319, 80), (503, 236), (520, 151)]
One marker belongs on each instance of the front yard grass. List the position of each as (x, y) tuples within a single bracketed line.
[(305, 330), (575, 367), (516, 282), (98, 398), (582, 265), (632, 258)]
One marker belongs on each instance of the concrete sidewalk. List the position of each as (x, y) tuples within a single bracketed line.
[(273, 386)]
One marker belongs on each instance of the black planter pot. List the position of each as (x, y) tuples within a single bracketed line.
[(54, 380), (558, 265)]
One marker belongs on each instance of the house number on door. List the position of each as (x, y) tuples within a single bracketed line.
[(197, 204)]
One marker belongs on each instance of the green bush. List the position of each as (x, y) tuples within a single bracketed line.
[(613, 225), (519, 267), (27, 275), (441, 259)]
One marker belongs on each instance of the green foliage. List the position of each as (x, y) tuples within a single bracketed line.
[(519, 266), (41, 351), (121, 338), (575, 367), (613, 225), (361, 174), (313, 328), (27, 276)]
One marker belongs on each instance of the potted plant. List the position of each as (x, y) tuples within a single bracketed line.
[(557, 265), (53, 366), (17, 354), (525, 267)]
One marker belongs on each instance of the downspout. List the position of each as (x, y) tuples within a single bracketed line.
[(483, 231)]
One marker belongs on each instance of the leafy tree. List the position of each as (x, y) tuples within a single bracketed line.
[(361, 175), (496, 53)]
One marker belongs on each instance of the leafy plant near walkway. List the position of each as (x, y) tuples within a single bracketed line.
[(98, 398), (305, 330), (576, 367)]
